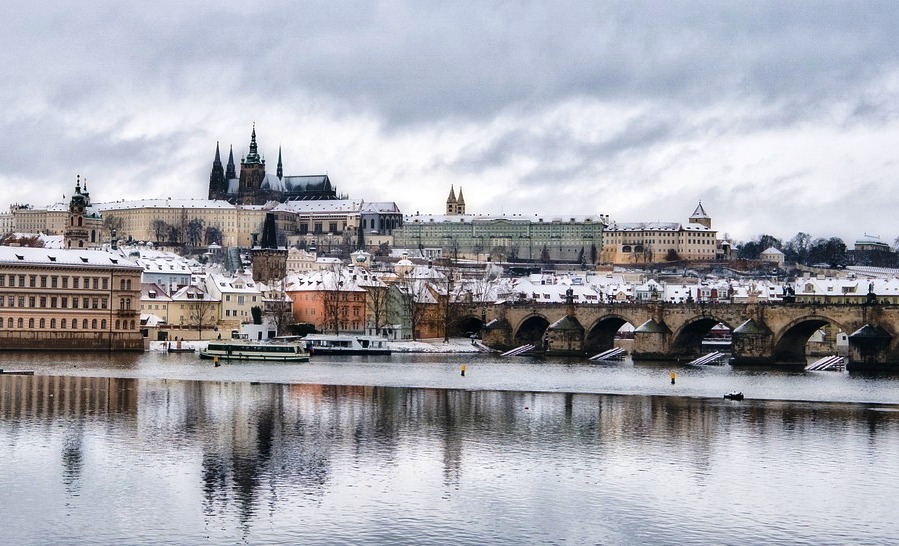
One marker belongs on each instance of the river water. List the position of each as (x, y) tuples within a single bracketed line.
[(156, 448)]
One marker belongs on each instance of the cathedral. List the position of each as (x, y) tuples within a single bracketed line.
[(253, 186)]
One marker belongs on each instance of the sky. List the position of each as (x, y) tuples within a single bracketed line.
[(779, 117)]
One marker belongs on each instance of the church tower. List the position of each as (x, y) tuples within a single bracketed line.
[(252, 172), (78, 234), (460, 203), (700, 217), (218, 186), (451, 202)]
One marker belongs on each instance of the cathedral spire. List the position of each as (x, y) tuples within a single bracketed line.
[(253, 156), (280, 166), (231, 171), (217, 184)]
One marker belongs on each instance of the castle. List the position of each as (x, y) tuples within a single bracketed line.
[(253, 186)]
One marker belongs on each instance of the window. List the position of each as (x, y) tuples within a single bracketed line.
[(43, 302), (64, 302), (43, 281), (20, 323), (2, 281), (21, 301), (65, 282), (85, 302), (103, 324), (31, 301), (97, 283), (62, 322), (118, 324), (9, 322), (22, 280), (43, 323), (31, 323), (74, 324), (104, 303), (84, 324), (105, 284), (74, 282), (122, 284)]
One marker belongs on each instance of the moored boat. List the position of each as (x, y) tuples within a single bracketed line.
[(238, 349), (344, 344)]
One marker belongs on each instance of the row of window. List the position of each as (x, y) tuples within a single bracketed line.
[(60, 281), (66, 324), (61, 302)]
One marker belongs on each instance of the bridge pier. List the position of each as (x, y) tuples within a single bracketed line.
[(869, 350), (752, 344), (652, 341)]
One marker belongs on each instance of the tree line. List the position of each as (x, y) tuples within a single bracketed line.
[(803, 249)]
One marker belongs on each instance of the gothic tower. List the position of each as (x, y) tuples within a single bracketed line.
[(280, 171), (269, 260), (460, 203), (218, 186), (252, 172), (230, 172), (451, 202)]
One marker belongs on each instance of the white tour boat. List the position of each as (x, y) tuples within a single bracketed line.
[(345, 344), (241, 349)]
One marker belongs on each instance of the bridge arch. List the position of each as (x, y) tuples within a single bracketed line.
[(601, 335), (791, 340), (467, 325), (531, 331), (687, 341)]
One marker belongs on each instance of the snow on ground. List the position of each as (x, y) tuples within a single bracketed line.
[(436, 345)]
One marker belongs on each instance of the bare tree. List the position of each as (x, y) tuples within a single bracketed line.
[(200, 312), (213, 235), (194, 233), (415, 295), (376, 303), (112, 223), (334, 299), (160, 229)]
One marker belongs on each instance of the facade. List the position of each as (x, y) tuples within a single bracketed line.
[(572, 239), (238, 295), (68, 300), (654, 242), (252, 185), (333, 301), (325, 225), (162, 220)]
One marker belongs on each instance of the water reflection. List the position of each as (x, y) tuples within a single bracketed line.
[(258, 458)]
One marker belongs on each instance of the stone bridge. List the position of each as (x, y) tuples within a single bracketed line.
[(763, 333)]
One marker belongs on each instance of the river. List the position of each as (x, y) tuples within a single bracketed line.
[(156, 448)]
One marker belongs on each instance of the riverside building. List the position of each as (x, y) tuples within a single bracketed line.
[(68, 300)]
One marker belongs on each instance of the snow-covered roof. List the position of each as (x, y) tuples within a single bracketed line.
[(47, 256), (165, 204), (324, 206)]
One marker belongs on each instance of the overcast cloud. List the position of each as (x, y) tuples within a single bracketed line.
[(780, 116)]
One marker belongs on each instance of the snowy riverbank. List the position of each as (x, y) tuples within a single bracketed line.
[(454, 345)]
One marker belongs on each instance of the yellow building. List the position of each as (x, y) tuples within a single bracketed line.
[(68, 299), (155, 219), (654, 242)]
